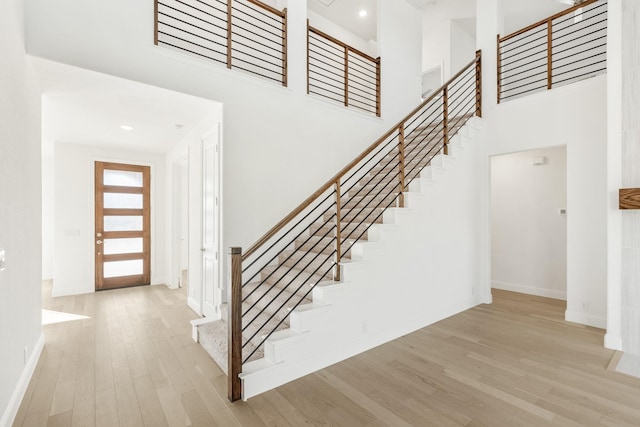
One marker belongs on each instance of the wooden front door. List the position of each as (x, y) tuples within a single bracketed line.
[(123, 223)]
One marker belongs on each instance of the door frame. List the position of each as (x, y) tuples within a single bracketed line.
[(212, 312), (92, 213)]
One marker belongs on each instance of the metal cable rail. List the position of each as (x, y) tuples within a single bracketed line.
[(562, 49), (279, 272), (246, 35), (342, 73)]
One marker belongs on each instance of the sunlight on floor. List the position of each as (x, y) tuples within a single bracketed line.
[(49, 317)]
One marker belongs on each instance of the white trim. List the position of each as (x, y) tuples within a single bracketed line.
[(585, 318), (530, 290), (194, 305), (613, 342), (21, 388)]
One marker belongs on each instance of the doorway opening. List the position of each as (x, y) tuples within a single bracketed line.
[(529, 222)]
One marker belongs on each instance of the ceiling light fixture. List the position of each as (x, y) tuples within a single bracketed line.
[(126, 127), (362, 13)]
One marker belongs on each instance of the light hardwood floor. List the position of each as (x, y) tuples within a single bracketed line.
[(513, 363)]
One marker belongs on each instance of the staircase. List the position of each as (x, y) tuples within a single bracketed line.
[(298, 297), (308, 261)]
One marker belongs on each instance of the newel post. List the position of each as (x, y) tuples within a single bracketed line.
[(401, 175), (234, 386), (338, 190), (479, 83)]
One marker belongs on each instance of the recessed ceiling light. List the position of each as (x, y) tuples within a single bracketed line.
[(178, 126), (362, 13), (126, 127)]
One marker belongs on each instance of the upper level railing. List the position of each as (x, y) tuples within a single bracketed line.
[(342, 73), (279, 272), (247, 35), (564, 48)]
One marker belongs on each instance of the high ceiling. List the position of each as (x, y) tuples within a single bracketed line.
[(518, 13), (345, 13), (84, 107)]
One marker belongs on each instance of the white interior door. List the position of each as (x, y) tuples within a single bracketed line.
[(211, 222)]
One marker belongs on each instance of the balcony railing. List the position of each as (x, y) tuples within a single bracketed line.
[(246, 35), (565, 48), (342, 73)]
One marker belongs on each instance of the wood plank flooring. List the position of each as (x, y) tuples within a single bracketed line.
[(512, 363)]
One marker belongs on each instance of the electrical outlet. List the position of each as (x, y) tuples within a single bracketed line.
[(585, 306), (3, 260), (363, 327)]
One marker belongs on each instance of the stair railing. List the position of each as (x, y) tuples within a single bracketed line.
[(247, 35), (564, 48), (339, 72), (279, 272)]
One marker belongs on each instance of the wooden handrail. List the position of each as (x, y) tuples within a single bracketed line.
[(544, 21), (275, 229), (280, 13), (342, 44)]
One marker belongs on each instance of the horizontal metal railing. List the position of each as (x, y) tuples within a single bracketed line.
[(341, 73), (280, 271), (246, 35), (562, 49)]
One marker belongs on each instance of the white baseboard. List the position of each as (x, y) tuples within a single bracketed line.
[(585, 318), (613, 342), (157, 281), (194, 305), (55, 293), (21, 388), (530, 290)]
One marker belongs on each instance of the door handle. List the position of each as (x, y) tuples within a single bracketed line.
[(98, 242), (203, 249)]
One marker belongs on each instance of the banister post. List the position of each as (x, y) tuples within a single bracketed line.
[(378, 100), (445, 120), (155, 22), (285, 66), (346, 76), (549, 53), (336, 271), (308, 56), (479, 83), (229, 32), (499, 70), (401, 148), (234, 385)]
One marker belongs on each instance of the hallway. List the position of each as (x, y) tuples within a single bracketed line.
[(516, 362)]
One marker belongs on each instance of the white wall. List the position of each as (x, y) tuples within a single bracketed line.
[(74, 214), (48, 203), (20, 221), (462, 46), (528, 235), (82, 34), (630, 176), (575, 116)]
